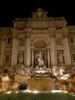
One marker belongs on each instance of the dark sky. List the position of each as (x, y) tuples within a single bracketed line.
[(21, 9)]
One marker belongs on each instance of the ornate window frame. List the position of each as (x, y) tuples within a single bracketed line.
[(7, 56), (8, 42), (73, 56), (72, 38)]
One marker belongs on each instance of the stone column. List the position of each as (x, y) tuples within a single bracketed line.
[(25, 53), (32, 58), (28, 51), (14, 51), (53, 51), (2, 51), (48, 57), (67, 54)]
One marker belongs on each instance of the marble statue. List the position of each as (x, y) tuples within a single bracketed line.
[(40, 60), (60, 58), (20, 59)]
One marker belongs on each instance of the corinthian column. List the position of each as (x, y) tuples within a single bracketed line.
[(67, 54), (53, 51), (28, 51), (14, 51), (48, 57), (32, 58)]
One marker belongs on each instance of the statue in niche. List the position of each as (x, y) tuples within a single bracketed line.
[(20, 58), (40, 60), (60, 58)]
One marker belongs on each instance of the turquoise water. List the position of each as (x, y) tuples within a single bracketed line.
[(36, 96)]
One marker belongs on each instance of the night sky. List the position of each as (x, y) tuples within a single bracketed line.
[(23, 9)]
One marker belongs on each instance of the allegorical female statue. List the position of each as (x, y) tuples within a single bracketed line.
[(20, 59)]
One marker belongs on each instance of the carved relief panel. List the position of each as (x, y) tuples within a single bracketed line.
[(21, 42)]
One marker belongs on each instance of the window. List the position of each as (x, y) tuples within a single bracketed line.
[(8, 42), (7, 59), (72, 39), (73, 57)]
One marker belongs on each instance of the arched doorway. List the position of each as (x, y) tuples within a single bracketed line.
[(40, 48)]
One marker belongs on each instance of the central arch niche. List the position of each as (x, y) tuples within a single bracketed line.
[(40, 45)]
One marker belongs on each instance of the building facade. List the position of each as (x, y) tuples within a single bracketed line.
[(49, 36)]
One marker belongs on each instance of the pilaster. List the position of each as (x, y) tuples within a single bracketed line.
[(53, 51), (14, 51), (67, 54), (28, 51), (2, 50)]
